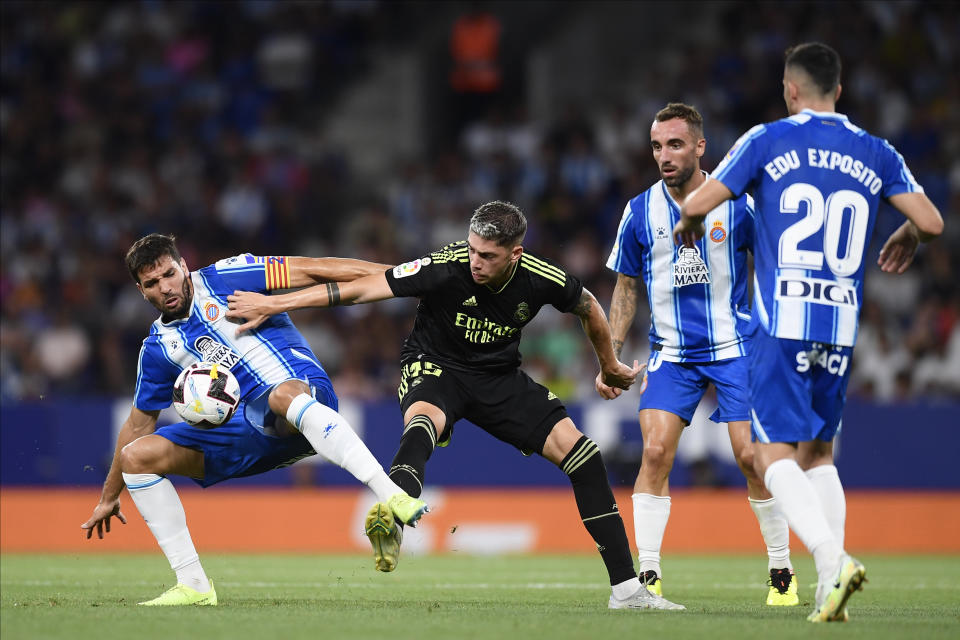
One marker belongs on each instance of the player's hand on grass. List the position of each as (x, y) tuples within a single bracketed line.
[(898, 251), (101, 516), (621, 376), (252, 307), (606, 391)]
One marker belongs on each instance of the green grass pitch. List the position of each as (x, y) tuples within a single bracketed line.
[(451, 597)]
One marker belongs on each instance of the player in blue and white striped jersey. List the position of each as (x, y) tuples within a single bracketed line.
[(288, 409), (698, 319), (817, 180)]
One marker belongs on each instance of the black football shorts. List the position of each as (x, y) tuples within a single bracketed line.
[(510, 406)]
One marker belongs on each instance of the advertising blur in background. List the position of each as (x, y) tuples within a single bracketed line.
[(372, 130)]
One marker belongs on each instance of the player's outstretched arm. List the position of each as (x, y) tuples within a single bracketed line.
[(924, 223), (696, 206), (308, 271), (256, 308), (139, 423), (613, 372), (623, 307)]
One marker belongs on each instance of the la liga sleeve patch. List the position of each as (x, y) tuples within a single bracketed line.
[(410, 268)]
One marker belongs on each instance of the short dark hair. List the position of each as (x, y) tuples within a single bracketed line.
[(820, 62), (148, 250), (685, 112), (499, 221)]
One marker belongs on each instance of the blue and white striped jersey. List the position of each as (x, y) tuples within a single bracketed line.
[(260, 358), (698, 296), (817, 180)]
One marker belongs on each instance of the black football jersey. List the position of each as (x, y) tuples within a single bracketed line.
[(469, 326)]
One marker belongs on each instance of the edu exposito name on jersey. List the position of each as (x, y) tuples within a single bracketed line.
[(825, 159)]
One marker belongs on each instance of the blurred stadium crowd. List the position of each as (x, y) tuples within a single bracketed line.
[(200, 119)]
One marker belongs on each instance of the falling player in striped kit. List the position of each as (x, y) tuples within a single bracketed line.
[(288, 409), (817, 180), (698, 317)]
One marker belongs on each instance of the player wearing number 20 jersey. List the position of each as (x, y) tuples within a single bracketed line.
[(817, 180)]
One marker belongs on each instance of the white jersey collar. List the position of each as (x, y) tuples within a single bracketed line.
[(826, 114)]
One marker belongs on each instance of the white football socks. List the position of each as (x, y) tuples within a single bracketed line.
[(650, 515), (332, 437), (826, 482), (799, 504), (158, 503), (626, 588), (776, 533)]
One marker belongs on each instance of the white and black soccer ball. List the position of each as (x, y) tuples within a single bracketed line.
[(206, 394)]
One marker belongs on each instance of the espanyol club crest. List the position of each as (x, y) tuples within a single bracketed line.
[(718, 233), (211, 311)]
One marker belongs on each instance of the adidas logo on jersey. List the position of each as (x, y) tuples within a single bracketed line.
[(470, 302)]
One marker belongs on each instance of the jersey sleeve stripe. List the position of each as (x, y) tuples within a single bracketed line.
[(616, 253), (546, 266), (746, 140), (545, 274), (459, 254), (912, 185), (136, 390)]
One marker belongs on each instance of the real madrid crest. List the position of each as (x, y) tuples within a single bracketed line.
[(522, 314)]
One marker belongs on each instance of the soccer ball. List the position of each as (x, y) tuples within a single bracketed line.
[(206, 394)]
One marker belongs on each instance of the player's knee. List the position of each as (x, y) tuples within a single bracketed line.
[(284, 393), (657, 457), (745, 459), (433, 413), (136, 458)]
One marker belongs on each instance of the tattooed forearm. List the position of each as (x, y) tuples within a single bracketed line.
[(617, 347), (333, 294), (582, 310), (598, 331), (622, 309)]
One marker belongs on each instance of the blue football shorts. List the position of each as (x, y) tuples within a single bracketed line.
[(797, 388), (677, 387), (246, 445)]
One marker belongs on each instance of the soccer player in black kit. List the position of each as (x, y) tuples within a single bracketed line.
[(462, 361)]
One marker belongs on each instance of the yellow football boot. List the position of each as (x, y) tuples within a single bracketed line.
[(783, 588), (850, 578), (385, 536), (181, 595)]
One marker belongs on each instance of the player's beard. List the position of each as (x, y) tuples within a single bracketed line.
[(680, 178), (186, 299)]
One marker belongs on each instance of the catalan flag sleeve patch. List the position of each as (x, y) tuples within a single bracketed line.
[(276, 270)]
